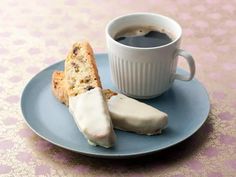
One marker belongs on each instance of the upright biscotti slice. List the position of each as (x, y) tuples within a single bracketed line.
[(81, 73), (86, 100)]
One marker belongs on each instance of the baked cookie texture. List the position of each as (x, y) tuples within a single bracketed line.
[(81, 73), (59, 87), (60, 92)]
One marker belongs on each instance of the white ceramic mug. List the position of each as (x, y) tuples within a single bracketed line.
[(145, 72)]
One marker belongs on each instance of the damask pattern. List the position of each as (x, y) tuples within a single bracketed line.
[(35, 34)]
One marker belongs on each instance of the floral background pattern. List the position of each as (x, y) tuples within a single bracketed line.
[(35, 34)]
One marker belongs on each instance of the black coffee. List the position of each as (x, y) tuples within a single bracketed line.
[(142, 37)]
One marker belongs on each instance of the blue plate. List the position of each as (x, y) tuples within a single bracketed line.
[(186, 103)]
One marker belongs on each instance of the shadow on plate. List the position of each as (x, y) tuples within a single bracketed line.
[(160, 160)]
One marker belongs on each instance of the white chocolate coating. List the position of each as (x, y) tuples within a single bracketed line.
[(91, 115), (131, 115)]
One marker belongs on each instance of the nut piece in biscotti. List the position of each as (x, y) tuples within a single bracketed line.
[(81, 72), (59, 87)]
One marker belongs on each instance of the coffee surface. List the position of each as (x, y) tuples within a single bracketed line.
[(144, 37)]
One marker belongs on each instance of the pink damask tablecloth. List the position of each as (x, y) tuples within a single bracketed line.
[(37, 33)]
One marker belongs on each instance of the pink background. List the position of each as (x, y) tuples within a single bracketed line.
[(37, 33)]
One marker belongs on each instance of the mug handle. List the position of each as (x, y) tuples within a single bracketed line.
[(188, 57)]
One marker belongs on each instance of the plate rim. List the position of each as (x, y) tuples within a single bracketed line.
[(104, 155)]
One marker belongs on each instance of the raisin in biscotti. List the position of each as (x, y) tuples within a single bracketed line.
[(60, 90), (81, 72)]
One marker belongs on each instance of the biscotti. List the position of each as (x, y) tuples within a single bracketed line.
[(128, 114), (86, 101), (82, 84)]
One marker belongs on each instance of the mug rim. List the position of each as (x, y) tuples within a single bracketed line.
[(142, 13)]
